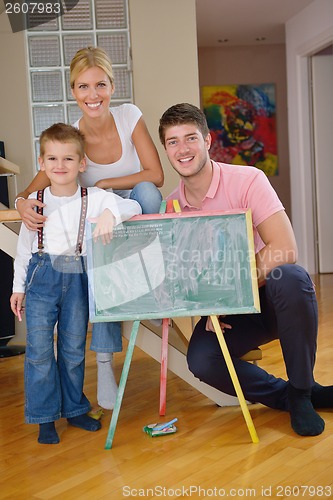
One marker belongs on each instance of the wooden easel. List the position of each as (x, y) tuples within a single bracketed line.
[(127, 363), (173, 205)]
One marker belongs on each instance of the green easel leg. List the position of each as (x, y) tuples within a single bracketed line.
[(122, 385)]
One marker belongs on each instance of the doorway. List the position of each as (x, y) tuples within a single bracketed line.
[(322, 125)]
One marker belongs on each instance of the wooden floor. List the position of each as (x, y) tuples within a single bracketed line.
[(212, 449)]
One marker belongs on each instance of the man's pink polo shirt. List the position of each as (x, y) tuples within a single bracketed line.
[(236, 187)]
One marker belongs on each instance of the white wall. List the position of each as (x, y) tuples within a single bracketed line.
[(306, 33), (165, 63), (322, 85), (15, 117), (14, 103)]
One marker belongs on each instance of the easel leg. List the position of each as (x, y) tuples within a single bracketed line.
[(122, 385), (235, 381), (164, 365)]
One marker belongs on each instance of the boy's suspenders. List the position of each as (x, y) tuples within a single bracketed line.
[(80, 234), (40, 197)]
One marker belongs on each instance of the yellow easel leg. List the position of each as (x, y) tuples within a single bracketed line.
[(235, 381)]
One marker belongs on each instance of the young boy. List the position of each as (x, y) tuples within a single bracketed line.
[(50, 273)]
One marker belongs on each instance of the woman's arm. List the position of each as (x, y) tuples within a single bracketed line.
[(25, 207), (149, 159), (280, 244)]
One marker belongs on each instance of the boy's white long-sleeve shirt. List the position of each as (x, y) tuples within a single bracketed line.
[(61, 228)]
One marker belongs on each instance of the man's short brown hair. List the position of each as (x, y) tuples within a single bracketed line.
[(182, 114)]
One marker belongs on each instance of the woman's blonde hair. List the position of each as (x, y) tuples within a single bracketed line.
[(90, 57)]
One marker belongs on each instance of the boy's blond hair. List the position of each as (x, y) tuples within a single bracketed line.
[(61, 132)]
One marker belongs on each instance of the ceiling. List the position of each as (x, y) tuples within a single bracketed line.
[(240, 22)]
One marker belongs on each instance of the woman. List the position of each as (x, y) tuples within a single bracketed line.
[(117, 143)]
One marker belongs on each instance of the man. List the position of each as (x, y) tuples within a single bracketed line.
[(287, 297)]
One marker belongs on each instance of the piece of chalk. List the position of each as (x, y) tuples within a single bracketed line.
[(163, 207), (167, 424), (169, 207), (176, 206)]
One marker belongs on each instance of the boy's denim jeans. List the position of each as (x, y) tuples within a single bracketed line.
[(56, 294)]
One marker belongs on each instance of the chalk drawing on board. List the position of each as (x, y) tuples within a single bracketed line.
[(147, 273)]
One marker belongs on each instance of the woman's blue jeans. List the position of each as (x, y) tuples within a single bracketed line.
[(106, 337), (148, 196), (56, 294)]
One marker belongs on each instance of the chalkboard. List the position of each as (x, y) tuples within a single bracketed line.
[(174, 265)]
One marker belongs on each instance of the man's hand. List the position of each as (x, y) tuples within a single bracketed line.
[(210, 326)]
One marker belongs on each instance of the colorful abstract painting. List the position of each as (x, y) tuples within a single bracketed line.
[(242, 123)]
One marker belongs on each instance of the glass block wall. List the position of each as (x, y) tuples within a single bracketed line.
[(52, 45)]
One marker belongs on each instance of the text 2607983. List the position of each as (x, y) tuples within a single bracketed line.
[(33, 8)]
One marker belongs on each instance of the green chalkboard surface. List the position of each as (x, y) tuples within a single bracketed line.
[(174, 265)]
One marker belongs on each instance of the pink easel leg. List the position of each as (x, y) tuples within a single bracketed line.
[(164, 365)]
